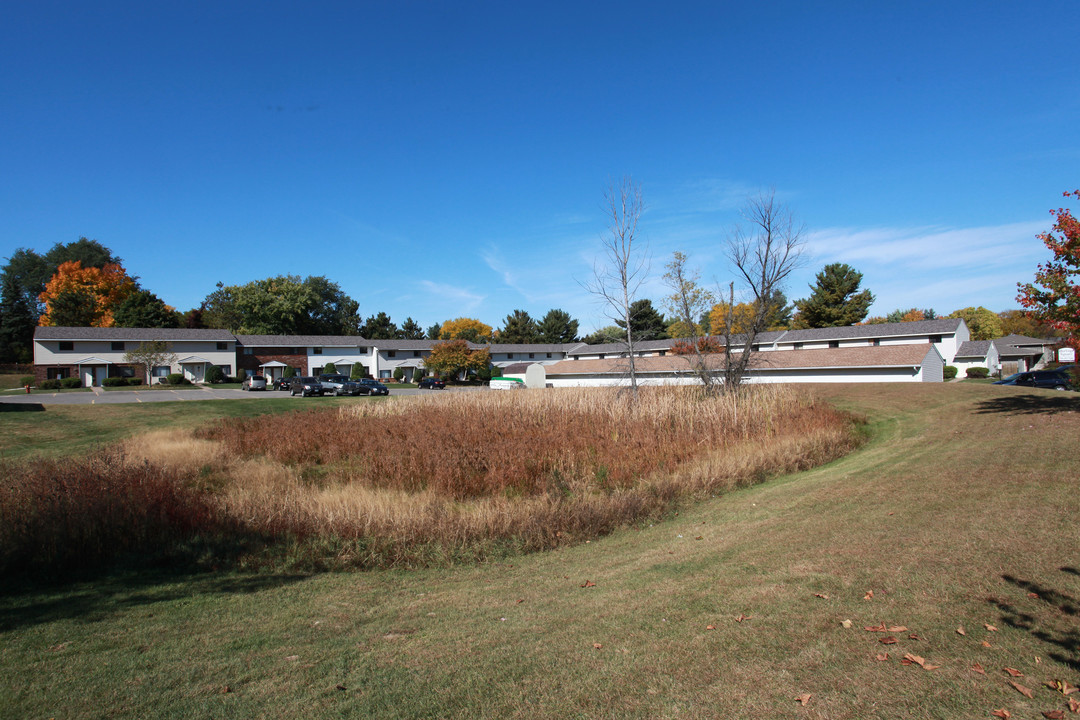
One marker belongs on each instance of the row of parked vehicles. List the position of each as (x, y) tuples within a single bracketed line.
[(322, 385), (1058, 378)]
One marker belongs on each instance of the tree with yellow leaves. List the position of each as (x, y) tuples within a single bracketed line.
[(463, 328), (84, 297)]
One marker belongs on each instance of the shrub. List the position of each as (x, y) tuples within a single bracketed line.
[(114, 382), (978, 372), (175, 379), (26, 380), (71, 383), (215, 375), (399, 374), (330, 369), (49, 385), (950, 372), (134, 381), (358, 371)]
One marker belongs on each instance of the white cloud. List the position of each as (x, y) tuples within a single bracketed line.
[(454, 296)]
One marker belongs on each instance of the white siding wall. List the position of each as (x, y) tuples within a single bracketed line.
[(47, 352)]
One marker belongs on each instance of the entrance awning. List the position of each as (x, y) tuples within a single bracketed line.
[(273, 363), (192, 360), (93, 361)]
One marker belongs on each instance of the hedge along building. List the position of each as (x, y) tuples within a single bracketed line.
[(93, 354)]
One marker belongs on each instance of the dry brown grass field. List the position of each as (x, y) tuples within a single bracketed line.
[(959, 513)]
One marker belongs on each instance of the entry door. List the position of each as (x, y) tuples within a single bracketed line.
[(195, 372)]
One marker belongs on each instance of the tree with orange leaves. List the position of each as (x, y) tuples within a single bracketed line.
[(1054, 297), (84, 297)]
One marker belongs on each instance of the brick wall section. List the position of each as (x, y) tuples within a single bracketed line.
[(41, 372), (252, 362)]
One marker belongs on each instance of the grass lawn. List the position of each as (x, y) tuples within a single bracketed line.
[(960, 514), (59, 430)]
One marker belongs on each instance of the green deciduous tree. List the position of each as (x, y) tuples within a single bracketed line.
[(149, 355), (835, 300), (519, 328), (282, 305), (982, 323), (144, 309)]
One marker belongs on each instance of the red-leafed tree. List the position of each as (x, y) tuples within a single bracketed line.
[(85, 296), (1054, 297)]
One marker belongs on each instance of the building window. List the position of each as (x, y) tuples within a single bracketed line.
[(316, 351), (222, 346), (56, 373), (226, 370), (66, 345), (416, 353), (663, 353), (798, 346), (391, 353), (935, 339), (362, 350), (876, 342), (384, 374), (160, 371), (601, 356), (531, 356), (509, 356), (549, 355), (117, 345), (834, 343), (755, 348), (577, 357), (249, 351)]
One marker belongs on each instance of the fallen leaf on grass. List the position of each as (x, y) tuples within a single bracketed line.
[(1033, 596), (898, 628), (1074, 706), (699, 537), (597, 646), (823, 596), (989, 627), (1054, 715), (339, 687), (985, 644), (225, 690), (846, 623), (869, 595), (1005, 714), (1062, 687), (743, 617), (875, 628), (293, 658), (960, 630), (520, 600), (979, 668), (888, 640), (588, 584), (1013, 671), (803, 699), (1025, 691), (910, 659), (913, 636), (882, 657), (710, 627)]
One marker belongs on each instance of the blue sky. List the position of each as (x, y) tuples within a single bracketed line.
[(442, 159)]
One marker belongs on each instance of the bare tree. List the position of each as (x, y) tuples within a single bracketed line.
[(625, 265), (688, 301), (765, 249)]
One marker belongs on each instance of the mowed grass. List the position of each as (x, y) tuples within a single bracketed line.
[(64, 430), (960, 509)]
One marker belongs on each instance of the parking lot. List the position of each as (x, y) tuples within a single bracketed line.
[(98, 396)]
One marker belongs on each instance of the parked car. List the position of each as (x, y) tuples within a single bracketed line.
[(430, 383), (282, 383), (338, 385), (1053, 379), (254, 382), (306, 386), (1010, 380), (372, 387)]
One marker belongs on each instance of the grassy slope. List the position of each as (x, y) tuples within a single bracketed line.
[(963, 503)]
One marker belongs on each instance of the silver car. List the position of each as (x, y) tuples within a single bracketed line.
[(255, 382)]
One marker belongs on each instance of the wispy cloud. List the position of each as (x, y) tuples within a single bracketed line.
[(449, 295)]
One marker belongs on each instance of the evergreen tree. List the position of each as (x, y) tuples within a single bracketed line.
[(519, 328), (358, 371), (558, 327), (433, 331), (605, 336), (329, 369), (380, 327), (17, 321), (646, 323), (411, 330), (835, 300)]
